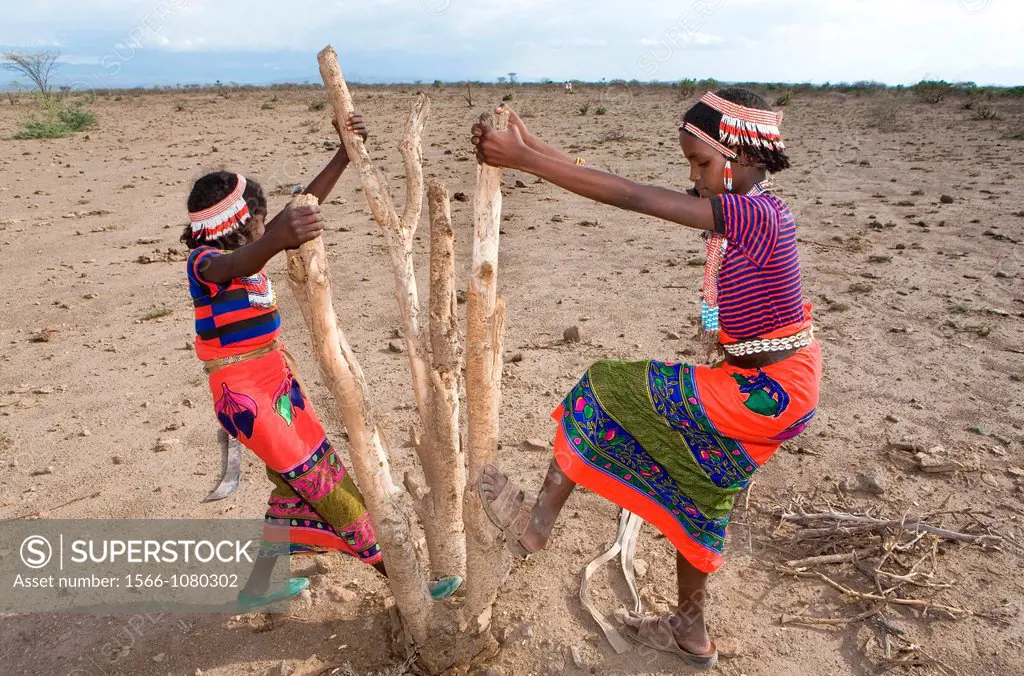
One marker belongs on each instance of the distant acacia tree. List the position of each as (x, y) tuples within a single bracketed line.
[(36, 66), (502, 80), (512, 78)]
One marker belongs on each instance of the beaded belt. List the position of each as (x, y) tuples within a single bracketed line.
[(798, 340), (217, 364)]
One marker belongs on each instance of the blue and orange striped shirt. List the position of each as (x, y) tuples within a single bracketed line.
[(759, 287), (232, 318)]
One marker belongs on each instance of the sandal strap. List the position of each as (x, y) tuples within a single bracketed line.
[(520, 521), (504, 503)]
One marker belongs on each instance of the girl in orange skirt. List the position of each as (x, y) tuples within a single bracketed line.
[(315, 506), (674, 443)]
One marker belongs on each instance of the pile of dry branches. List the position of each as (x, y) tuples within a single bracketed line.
[(876, 562)]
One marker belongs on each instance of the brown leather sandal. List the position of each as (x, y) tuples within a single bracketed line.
[(503, 512)]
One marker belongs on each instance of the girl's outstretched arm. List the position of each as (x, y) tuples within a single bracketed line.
[(532, 140), (325, 181), (290, 229), (508, 149)]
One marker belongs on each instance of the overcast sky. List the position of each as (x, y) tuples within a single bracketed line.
[(116, 43)]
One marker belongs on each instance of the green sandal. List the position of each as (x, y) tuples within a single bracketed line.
[(444, 588), (250, 602)]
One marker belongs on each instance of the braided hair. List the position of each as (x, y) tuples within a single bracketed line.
[(213, 188), (708, 120)]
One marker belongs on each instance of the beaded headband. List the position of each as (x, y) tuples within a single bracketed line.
[(740, 126), (224, 217)]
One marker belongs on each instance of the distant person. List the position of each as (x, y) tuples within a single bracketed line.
[(256, 391), (674, 443), (568, 87)]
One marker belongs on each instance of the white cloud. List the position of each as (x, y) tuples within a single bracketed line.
[(796, 40)]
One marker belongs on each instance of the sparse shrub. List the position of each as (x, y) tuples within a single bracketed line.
[(527, 112), (1016, 134), (932, 91), (180, 107), (507, 97), (317, 104), (600, 110), (584, 109), (784, 99), (267, 106), (984, 113), (614, 135), (157, 313), (886, 117), (687, 88), (58, 121)]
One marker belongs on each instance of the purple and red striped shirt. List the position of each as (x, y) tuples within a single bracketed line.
[(759, 288)]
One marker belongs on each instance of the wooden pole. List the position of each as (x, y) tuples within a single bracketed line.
[(439, 508), (486, 564), (310, 281)]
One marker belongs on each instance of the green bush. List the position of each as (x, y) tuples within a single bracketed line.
[(932, 91), (784, 99), (318, 104), (584, 109), (59, 120), (985, 113), (687, 88), (507, 97), (600, 110)]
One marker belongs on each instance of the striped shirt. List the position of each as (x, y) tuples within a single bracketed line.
[(232, 318), (759, 288)]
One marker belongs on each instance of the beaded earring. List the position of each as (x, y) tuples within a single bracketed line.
[(728, 176)]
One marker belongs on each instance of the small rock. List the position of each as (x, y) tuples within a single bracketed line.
[(1015, 471), (460, 197), (995, 481), (672, 335), (460, 296), (165, 444), (728, 647), (43, 390), (640, 568), (159, 657), (577, 659), (396, 347), (535, 445), (282, 669), (85, 433), (935, 461), (118, 460), (516, 358), (946, 199), (975, 429), (342, 595), (44, 335), (43, 472), (891, 418), (520, 184), (572, 334), (864, 483)]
